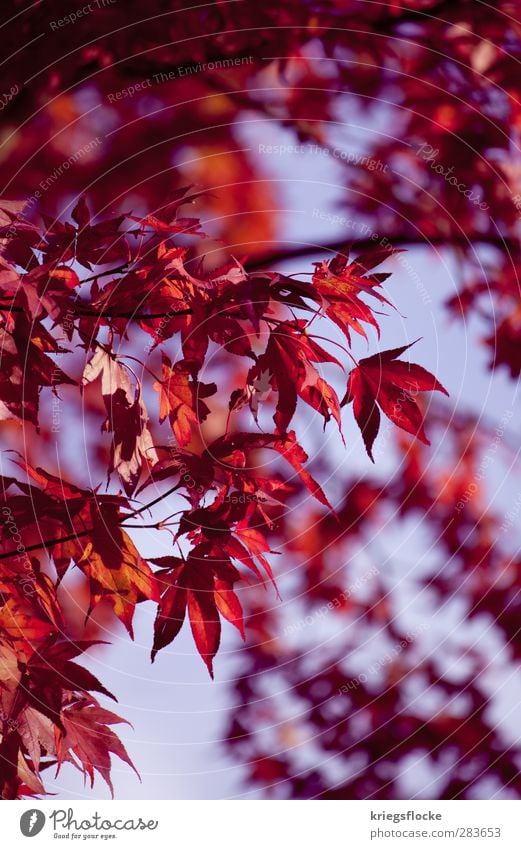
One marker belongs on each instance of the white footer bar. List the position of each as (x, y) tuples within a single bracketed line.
[(262, 824)]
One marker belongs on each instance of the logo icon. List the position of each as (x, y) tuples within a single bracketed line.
[(32, 822)]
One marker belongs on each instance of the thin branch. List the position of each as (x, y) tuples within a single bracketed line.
[(152, 503), (135, 316), (290, 252), (109, 271), (81, 533), (45, 543)]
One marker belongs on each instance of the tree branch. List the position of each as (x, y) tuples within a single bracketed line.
[(290, 252), (118, 270), (37, 546), (135, 316), (44, 543)]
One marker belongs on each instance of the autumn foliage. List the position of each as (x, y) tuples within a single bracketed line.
[(262, 317)]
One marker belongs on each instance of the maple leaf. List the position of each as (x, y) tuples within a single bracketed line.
[(203, 614), (288, 360), (336, 288), (229, 605), (254, 394), (167, 220), (254, 541), (189, 587), (106, 554), (30, 781), (196, 473), (25, 623), (51, 670), (227, 449), (9, 669), (18, 236), (54, 487), (42, 611), (181, 399), (127, 418), (33, 700), (383, 381), (172, 604), (25, 368), (116, 570), (249, 293), (87, 735), (38, 734), (46, 290), (201, 585), (89, 244)]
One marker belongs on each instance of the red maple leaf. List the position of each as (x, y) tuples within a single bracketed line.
[(383, 381), (288, 363), (202, 585)]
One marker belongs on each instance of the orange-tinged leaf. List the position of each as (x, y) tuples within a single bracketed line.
[(181, 400), (116, 570)]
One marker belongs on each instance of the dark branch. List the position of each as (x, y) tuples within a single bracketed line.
[(134, 316), (45, 544), (37, 546), (291, 252)]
